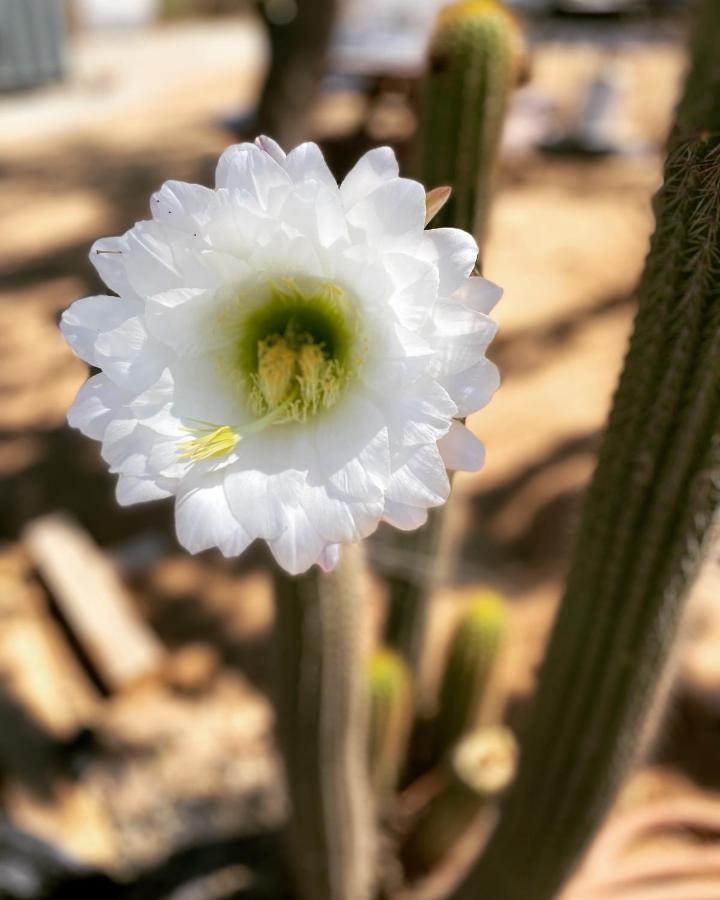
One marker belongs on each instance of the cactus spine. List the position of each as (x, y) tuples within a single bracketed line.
[(464, 97), (322, 731), (471, 661), (646, 519), (390, 720), (479, 768)]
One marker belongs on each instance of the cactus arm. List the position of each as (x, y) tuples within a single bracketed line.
[(474, 57), (390, 721), (322, 732), (473, 61), (647, 514), (475, 773), (469, 669)]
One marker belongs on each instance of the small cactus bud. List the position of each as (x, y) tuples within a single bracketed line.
[(478, 770)]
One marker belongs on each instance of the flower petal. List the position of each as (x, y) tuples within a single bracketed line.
[(393, 216), (131, 490), (245, 167), (203, 518), (478, 294), (82, 322), (306, 163), (472, 388), (454, 252), (369, 172), (461, 450), (404, 517)]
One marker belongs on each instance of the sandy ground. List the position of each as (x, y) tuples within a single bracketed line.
[(567, 243)]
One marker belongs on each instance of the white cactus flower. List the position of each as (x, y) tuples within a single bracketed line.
[(288, 357)]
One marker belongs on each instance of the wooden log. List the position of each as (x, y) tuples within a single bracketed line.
[(93, 601)]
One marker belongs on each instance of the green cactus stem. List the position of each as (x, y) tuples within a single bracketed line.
[(472, 66), (390, 704), (645, 525), (470, 668), (476, 772), (321, 715), (475, 58)]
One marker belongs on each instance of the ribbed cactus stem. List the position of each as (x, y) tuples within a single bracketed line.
[(474, 60), (321, 714), (390, 701), (471, 664), (471, 68), (645, 523), (478, 770)]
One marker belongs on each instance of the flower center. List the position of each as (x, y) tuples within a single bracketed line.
[(291, 357), (297, 352)]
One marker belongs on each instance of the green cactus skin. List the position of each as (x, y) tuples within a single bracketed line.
[(470, 665), (390, 704), (322, 728), (474, 60), (462, 107), (423, 562), (478, 769), (645, 526)]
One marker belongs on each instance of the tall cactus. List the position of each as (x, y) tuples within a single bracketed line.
[(471, 660), (390, 720), (322, 731), (473, 57), (646, 518)]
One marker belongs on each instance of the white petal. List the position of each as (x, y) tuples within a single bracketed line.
[(245, 167), (271, 147), (339, 520), (352, 450), (479, 294), (420, 414), (203, 518), (454, 252), (306, 163), (138, 490), (97, 402), (404, 517), (82, 322), (472, 388), (315, 211), (416, 287), (180, 319), (129, 356), (181, 205), (299, 546), (329, 557), (261, 502), (456, 348), (202, 394), (420, 478), (368, 173), (461, 450), (393, 216), (109, 257)]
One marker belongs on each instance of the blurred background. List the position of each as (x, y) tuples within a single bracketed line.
[(135, 728)]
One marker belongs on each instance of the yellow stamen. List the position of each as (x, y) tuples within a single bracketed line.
[(212, 440), (208, 444)]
